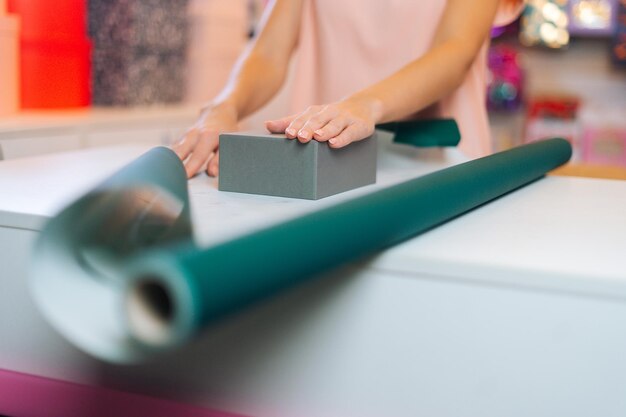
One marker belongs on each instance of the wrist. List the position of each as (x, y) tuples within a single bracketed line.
[(373, 106), (226, 107)]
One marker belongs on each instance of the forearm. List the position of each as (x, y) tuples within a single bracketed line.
[(253, 82), (462, 32), (419, 84), (258, 75), (262, 68)]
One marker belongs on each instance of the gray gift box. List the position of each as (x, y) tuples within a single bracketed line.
[(260, 163)]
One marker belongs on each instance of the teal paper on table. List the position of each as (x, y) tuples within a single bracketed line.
[(424, 133), (118, 274)]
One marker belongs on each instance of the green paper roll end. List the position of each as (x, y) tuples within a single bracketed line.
[(566, 148), (425, 133)]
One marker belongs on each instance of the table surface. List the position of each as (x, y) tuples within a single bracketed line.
[(560, 233), (491, 315)]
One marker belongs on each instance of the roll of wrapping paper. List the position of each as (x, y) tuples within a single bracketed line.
[(117, 272)]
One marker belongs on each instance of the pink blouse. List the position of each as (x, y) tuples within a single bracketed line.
[(347, 45)]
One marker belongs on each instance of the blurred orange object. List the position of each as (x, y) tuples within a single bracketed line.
[(9, 73), (60, 20), (55, 59)]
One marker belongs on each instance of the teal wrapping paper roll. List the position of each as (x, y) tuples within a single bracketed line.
[(153, 289)]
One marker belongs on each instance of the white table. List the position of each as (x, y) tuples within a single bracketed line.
[(515, 309)]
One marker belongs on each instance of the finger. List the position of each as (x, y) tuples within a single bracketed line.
[(331, 129), (315, 122), (186, 144), (214, 165), (279, 125), (207, 142), (350, 134), (297, 123)]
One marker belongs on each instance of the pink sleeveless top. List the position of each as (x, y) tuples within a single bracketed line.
[(347, 45)]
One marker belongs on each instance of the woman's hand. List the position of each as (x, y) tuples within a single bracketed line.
[(198, 147), (339, 123)]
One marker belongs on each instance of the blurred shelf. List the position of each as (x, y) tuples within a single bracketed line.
[(26, 122), (42, 132), (583, 70)]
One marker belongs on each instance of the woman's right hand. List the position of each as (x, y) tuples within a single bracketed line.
[(198, 147)]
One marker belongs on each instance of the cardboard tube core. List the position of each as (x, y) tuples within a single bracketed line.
[(151, 311)]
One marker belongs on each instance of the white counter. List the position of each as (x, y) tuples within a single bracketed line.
[(32, 133), (517, 308)]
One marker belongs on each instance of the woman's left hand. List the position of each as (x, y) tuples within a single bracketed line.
[(339, 123)]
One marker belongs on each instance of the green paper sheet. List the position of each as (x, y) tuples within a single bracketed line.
[(117, 272), (424, 133)]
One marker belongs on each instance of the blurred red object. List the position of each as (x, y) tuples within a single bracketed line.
[(55, 58), (55, 74), (554, 108), (555, 116)]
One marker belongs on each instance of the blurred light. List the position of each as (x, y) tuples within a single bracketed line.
[(551, 12), (545, 23), (592, 14)]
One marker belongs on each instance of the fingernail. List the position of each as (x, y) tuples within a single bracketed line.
[(303, 134), (291, 131), (319, 132)]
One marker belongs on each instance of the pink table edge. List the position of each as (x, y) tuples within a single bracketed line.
[(23, 395)]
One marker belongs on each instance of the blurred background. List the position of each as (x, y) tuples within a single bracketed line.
[(87, 73)]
